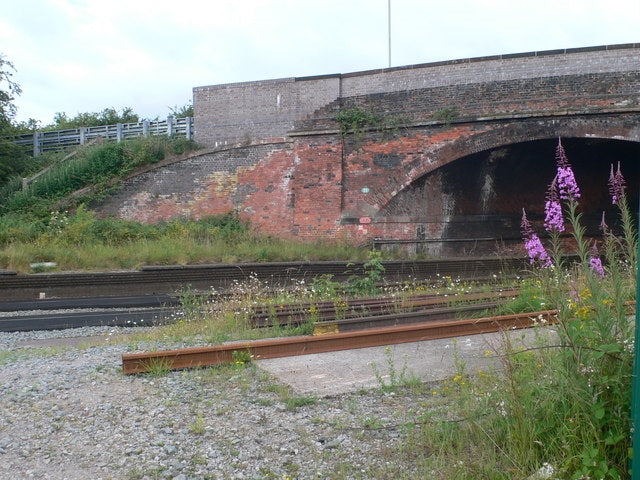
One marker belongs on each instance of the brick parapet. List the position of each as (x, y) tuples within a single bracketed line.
[(576, 94), (250, 110)]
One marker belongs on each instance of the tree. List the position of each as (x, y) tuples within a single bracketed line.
[(108, 116), (183, 111), (8, 91), (13, 160)]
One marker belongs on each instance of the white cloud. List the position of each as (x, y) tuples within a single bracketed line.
[(86, 55)]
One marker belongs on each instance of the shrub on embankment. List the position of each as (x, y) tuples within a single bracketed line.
[(89, 166)]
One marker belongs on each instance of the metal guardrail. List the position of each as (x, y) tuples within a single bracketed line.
[(60, 139)]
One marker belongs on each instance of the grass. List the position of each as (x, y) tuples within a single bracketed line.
[(197, 427), (394, 378), (46, 223), (12, 356), (158, 367), (80, 241)]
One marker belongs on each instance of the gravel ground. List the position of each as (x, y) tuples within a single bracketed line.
[(69, 413)]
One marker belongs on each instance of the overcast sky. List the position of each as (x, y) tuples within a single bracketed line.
[(86, 55)]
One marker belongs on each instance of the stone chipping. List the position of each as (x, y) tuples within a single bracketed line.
[(67, 412)]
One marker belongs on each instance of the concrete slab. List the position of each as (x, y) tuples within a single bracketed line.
[(333, 373)]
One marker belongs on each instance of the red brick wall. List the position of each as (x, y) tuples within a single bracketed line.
[(312, 187)]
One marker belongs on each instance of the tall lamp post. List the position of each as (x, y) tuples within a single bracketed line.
[(389, 28)]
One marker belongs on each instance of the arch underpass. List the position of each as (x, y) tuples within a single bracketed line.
[(479, 197)]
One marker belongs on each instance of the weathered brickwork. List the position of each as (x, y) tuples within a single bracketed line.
[(242, 112), (262, 109), (585, 93), (463, 178), (464, 181), (207, 184)]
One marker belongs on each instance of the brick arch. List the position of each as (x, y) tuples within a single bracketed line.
[(491, 136)]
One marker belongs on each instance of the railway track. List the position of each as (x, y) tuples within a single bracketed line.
[(78, 319), (149, 310), (63, 313), (149, 296), (294, 314), (167, 280)]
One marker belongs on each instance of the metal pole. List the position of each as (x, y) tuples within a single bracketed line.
[(169, 126), (36, 144), (635, 391), (389, 28)]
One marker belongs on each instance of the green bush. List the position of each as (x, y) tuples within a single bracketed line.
[(91, 166)]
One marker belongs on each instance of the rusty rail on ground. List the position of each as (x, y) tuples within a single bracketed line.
[(293, 314), (303, 345), (422, 315)]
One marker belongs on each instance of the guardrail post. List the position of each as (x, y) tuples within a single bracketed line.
[(188, 127), (118, 132), (145, 128), (169, 126), (83, 135), (36, 144)]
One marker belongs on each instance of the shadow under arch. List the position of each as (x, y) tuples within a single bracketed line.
[(476, 187), (604, 127)]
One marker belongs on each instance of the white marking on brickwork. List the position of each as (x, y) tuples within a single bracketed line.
[(288, 174), (486, 192)]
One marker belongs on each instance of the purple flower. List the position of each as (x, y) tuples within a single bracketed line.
[(561, 157), (553, 220), (533, 245), (536, 251), (616, 185), (603, 224), (567, 186), (575, 296), (525, 226), (596, 266)]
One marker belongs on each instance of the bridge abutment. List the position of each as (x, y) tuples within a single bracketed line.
[(450, 153)]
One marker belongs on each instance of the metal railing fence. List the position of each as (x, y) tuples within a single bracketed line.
[(59, 139)]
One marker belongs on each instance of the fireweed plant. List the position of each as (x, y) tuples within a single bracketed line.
[(586, 429), (560, 407)]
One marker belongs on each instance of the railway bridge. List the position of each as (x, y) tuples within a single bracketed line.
[(440, 156)]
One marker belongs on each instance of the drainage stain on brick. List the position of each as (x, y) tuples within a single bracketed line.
[(386, 160)]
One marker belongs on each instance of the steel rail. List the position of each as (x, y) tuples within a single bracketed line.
[(140, 301), (113, 318), (393, 319), (272, 348), (292, 314)]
